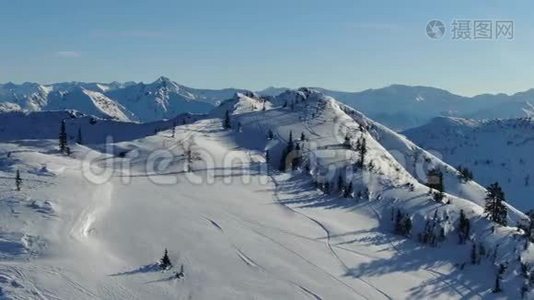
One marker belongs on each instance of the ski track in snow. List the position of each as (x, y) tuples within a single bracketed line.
[(323, 227), (247, 260), (214, 224), (252, 263)]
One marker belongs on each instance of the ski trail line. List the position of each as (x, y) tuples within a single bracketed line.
[(329, 245)]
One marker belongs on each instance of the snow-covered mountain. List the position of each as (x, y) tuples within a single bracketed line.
[(285, 204), (495, 150), (87, 101), (29, 96), (397, 106), (401, 107), (161, 99)]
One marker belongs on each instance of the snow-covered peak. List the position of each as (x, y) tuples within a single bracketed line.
[(87, 101), (165, 82), (241, 102), (245, 93)]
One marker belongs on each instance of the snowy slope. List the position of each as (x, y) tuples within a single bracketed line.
[(498, 150), (88, 102), (240, 228)]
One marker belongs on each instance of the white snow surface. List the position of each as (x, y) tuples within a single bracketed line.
[(240, 232)]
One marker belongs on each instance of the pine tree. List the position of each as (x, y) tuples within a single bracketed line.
[(463, 227), (435, 181), (189, 158), (62, 137), (465, 174), (165, 262), (282, 166), (297, 160), (497, 288), (429, 232), (398, 222), (407, 226), (227, 122), (267, 157), (270, 134), (348, 190), (173, 129), (474, 256), (495, 208), (18, 180), (302, 136), (340, 184), (361, 147), (290, 144), (403, 223), (286, 151), (79, 139)]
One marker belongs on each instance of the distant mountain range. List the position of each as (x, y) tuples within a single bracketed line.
[(398, 106), (161, 99)]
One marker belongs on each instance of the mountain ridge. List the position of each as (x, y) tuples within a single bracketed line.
[(398, 106), (497, 150)]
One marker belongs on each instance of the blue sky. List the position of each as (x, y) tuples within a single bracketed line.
[(345, 45)]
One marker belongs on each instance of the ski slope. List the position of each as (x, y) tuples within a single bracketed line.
[(240, 228)]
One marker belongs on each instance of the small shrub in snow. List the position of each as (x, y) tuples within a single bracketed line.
[(165, 263)]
